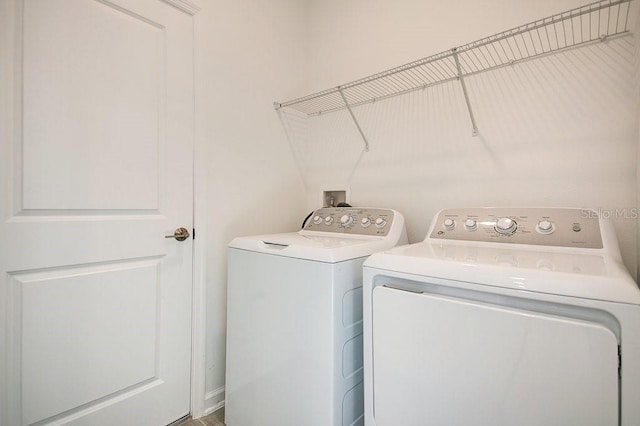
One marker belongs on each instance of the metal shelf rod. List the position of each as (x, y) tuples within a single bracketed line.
[(474, 131), (543, 23), (508, 47), (364, 138), (365, 80)]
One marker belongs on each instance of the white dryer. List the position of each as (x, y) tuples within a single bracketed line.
[(294, 319), (502, 317)]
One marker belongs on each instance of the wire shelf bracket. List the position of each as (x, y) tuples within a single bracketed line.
[(474, 131), (593, 22), (355, 121)]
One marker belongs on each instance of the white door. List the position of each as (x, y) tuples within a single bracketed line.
[(96, 141)]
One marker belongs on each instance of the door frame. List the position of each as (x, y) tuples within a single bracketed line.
[(198, 330), (198, 316)]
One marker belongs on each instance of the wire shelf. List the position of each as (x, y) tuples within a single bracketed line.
[(586, 24)]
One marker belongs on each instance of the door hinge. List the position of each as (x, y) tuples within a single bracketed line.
[(193, 233)]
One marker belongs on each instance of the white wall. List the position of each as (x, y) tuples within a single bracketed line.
[(559, 130), (253, 52)]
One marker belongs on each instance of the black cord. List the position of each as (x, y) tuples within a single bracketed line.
[(304, 222)]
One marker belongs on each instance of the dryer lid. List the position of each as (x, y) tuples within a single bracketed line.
[(591, 276)]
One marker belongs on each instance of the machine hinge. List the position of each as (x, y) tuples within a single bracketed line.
[(193, 233), (619, 362)]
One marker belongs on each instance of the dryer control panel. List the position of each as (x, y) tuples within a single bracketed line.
[(561, 227), (351, 220)]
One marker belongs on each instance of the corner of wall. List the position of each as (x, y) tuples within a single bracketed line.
[(214, 400), (636, 57)]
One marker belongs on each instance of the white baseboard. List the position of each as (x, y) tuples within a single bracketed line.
[(214, 400)]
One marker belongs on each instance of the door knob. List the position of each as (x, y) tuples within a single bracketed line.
[(180, 234)]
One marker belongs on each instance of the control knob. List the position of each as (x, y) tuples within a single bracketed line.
[(505, 226), (470, 225), (317, 219), (545, 227), (328, 220), (449, 224), (380, 222), (365, 222), (346, 220)]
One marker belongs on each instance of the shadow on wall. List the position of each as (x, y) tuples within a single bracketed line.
[(243, 215)]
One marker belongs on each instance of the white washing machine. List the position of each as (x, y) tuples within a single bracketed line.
[(502, 317), (294, 319)]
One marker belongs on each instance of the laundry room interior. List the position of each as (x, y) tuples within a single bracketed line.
[(398, 109), (558, 130)]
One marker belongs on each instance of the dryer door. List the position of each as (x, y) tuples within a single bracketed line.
[(447, 361)]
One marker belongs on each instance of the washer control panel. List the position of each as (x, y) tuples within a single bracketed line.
[(563, 227), (351, 220)]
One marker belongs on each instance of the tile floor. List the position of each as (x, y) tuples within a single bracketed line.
[(214, 419)]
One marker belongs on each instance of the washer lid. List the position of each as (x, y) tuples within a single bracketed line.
[(321, 247), (591, 276)]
